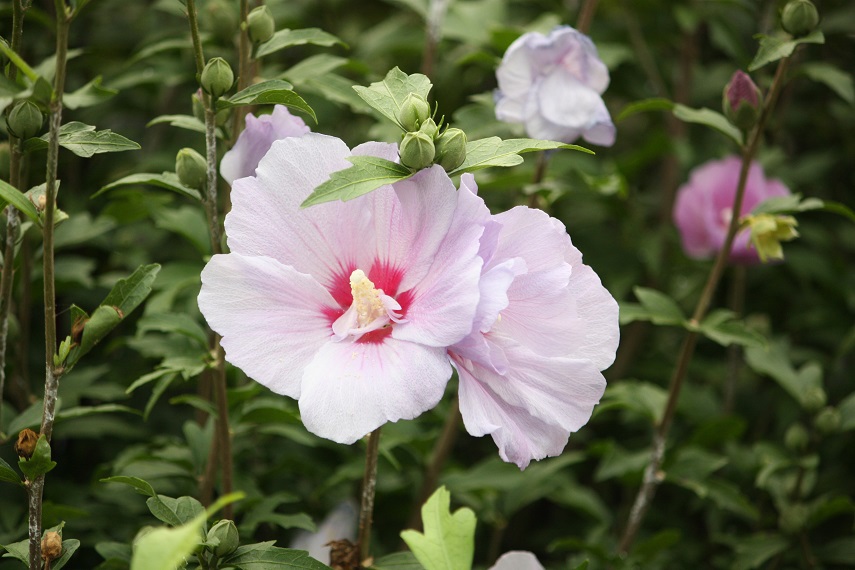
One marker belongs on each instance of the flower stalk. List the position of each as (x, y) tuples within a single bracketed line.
[(244, 68), (369, 486), (652, 472)]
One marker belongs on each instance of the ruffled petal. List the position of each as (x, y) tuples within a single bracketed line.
[(567, 102), (352, 388), (273, 320)]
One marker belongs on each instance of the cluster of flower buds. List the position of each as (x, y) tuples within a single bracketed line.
[(768, 231), (425, 143), (25, 120), (799, 17)]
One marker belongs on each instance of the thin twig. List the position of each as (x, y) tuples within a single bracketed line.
[(244, 69), (369, 486), (586, 16)]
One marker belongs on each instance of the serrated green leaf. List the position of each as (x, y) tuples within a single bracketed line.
[(773, 48), (8, 474), (11, 195), (272, 92), (493, 151), (388, 95), (265, 556), (286, 38), (709, 118), (90, 94), (167, 180), (448, 541), (367, 174), (83, 140), (40, 463), (140, 485), (654, 104), (173, 511)]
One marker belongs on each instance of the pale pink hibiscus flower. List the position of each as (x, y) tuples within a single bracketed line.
[(348, 307), (544, 329)]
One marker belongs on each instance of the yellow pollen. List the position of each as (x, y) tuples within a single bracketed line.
[(366, 299)]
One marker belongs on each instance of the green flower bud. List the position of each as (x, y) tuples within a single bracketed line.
[(815, 398), (5, 160), (225, 533), (797, 437), (827, 420), (413, 112), (197, 105), (192, 169), (25, 120), (221, 17), (217, 77), (768, 231), (260, 24), (417, 150), (793, 518), (799, 17), (742, 101), (451, 149), (429, 128)]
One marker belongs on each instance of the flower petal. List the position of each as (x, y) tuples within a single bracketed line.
[(272, 319), (517, 560)]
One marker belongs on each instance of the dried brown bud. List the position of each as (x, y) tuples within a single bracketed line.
[(42, 202), (344, 555), (51, 545), (26, 444)]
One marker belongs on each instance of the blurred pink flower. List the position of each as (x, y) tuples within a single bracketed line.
[(517, 560), (704, 207), (553, 85), (255, 140), (348, 307), (544, 329)]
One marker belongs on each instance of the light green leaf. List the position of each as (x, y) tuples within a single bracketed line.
[(265, 556), (11, 195), (656, 307), (188, 122), (84, 411), (174, 511), (272, 92), (397, 561), (9, 90), (40, 463), (90, 94), (493, 151), (167, 180), (69, 547), (388, 95), (835, 78), (287, 38), (314, 66), (723, 327), (774, 361), (709, 118), (773, 48), (368, 173), (643, 398), (794, 203), (142, 486), (166, 548), (654, 104), (180, 323), (8, 474), (83, 140), (448, 541)]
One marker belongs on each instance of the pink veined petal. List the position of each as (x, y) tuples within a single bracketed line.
[(273, 320), (352, 388), (517, 560)]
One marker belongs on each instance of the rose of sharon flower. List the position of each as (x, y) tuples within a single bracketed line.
[(255, 140), (552, 85), (704, 207), (348, 307), (517, 560), (545, 328)]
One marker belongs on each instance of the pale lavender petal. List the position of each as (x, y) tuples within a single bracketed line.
[(352, 388), (389, 151), (564, 101), (517, 560), (272, 319)]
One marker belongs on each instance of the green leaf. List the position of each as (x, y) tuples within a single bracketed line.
[(90, 94), (265, 556), (772, 48), (167, 180), (388, 95), (166, 548), (9, 91), (654, 104), (40, 463), (287, 38), (367, 174), (272, 92), (84, 411), (179, 323), (172, 511), (83, 140), (643, 398), (19, 550), (833, 77), (448, 541), (188, 122), (709, 118), (68, 549), (656, 307), (754, 551), (397, 561), (8, 474), (774, 361), (723, 327), (493, 151), (794, 203), (142, 486), (11, 195)]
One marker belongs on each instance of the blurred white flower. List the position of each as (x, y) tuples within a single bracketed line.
[(517, 560), (340, 524)]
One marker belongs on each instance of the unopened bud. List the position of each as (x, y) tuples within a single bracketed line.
[(413, 112), (429, 128), (51, 545), (221, 17), (226, 534), (417, 150), (25, 120), (768, 231), (198, 106), (191, 168), (260, 24), (217, 77), (26, 444), (799, 17), (827, 420), (742, 101), (814, 398), (796, 437), (451, 149)]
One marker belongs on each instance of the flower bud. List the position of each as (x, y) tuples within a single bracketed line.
[(417, 150), (221, 17), (260, 24), (5, 160), (226, 533), (799, 17), (51, 545), (767, 233), (413, 112), (451, 149), (26, 444), (25, 120), (742, 101), (827, 420), (429, 128), (191, 168), (796, 437), (198, 106), (217, 77), (815, 398)]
